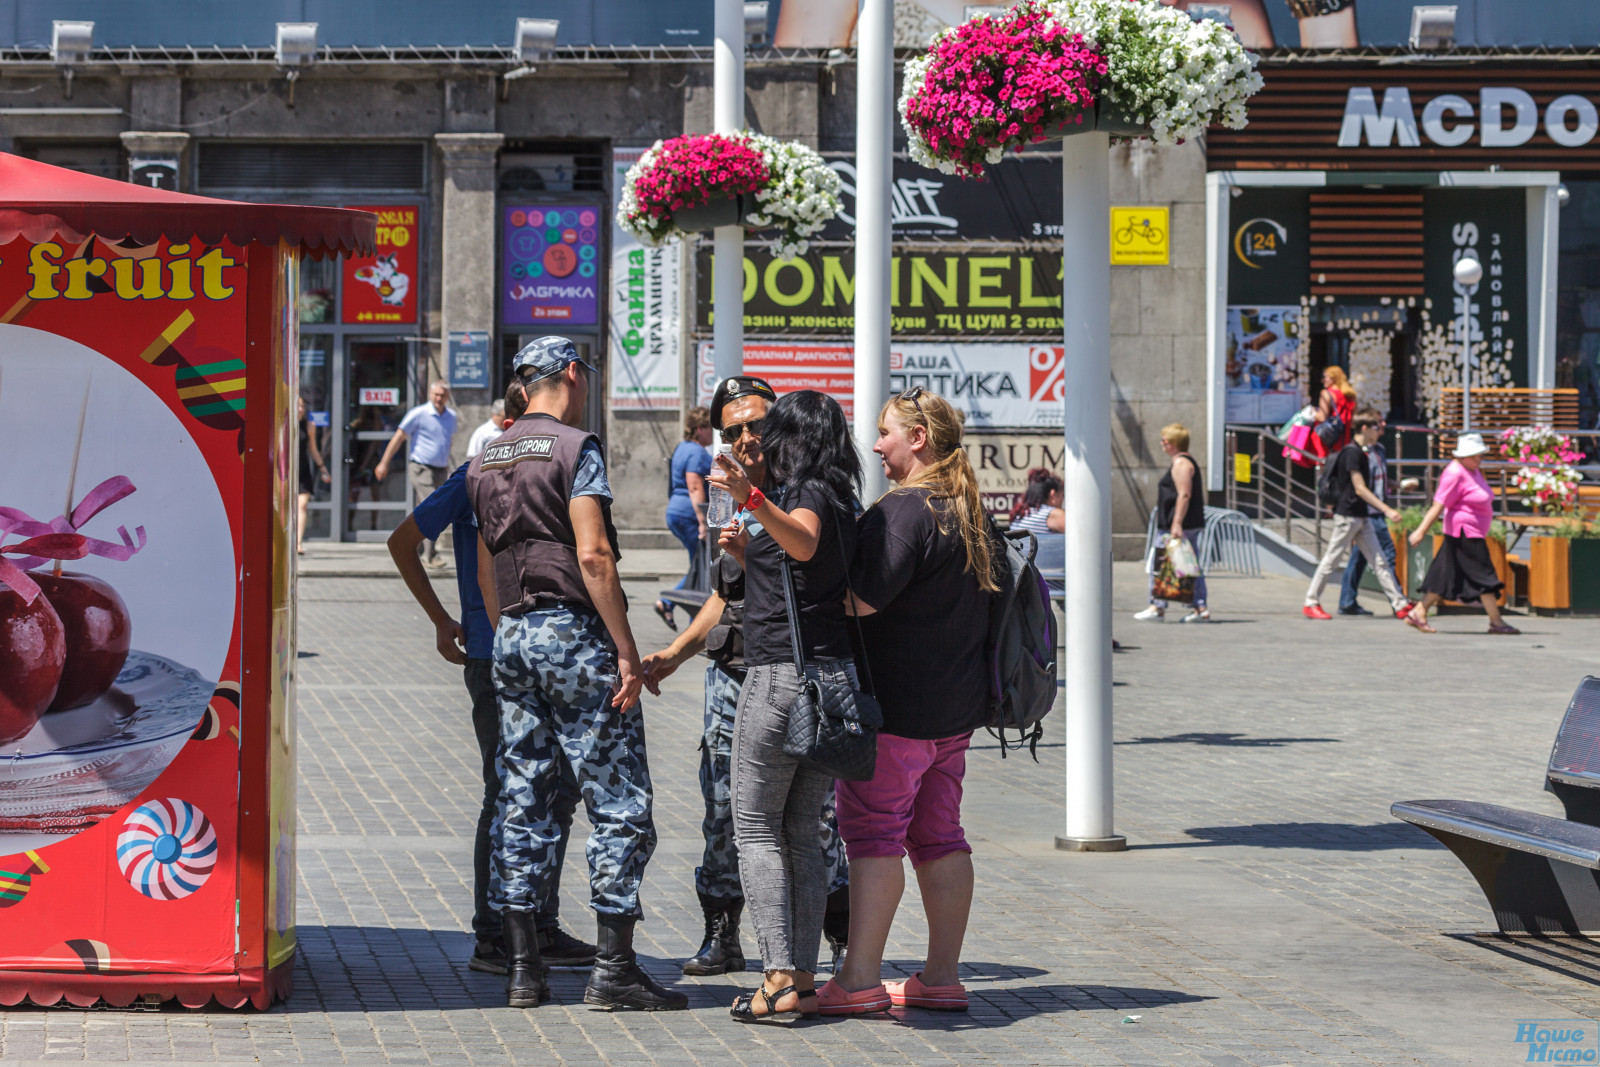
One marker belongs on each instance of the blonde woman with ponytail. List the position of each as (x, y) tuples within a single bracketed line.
[(923, 576)]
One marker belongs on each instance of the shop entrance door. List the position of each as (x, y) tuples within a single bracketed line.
[(377, 394)]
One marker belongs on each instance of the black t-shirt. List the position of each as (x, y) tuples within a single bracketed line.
[(819, 587), (925, 645), (1345, 502)]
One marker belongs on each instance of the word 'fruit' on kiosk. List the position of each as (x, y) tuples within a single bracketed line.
[(148, 382)]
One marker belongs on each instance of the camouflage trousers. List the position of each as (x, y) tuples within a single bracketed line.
[(718, 873), (553, 672)]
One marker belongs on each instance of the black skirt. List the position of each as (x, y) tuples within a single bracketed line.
[(1462, 570)]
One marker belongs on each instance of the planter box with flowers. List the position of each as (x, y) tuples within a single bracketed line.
[(1564, 568), (1044, 69), (702, 181)]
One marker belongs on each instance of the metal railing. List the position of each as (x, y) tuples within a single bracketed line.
[(1281, 496)]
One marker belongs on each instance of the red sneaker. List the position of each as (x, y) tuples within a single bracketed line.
[(1314, 611), (1406, 609)]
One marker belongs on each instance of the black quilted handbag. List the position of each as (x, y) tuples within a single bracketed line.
[(832, 725)]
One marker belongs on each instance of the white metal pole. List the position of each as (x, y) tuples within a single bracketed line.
[(1086, 334), (874, 163), (1466, 362), (727, 276)]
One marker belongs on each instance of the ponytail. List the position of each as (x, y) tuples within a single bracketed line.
[(950, 477)]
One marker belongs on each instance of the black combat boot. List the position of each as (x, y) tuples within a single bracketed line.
[(721, 953), (525, 984), (836, 924), (489, 956), (617, 980), (561, 951)]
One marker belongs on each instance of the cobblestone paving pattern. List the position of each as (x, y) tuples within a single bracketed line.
[(1264, 749)]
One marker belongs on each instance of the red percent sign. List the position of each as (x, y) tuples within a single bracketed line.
[(1047, 374)]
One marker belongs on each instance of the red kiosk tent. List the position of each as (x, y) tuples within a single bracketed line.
[(148, 378)]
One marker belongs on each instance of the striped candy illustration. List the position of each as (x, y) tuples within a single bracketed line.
[(167, 849), (14, 885)]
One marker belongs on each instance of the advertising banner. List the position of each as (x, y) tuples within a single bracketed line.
[(1268, 246), (1002, 462), (1265, 383), (1019, 201), (994, 385), (121, 563), (646, 335), (384, 287), (468, 359), (967, 293), (550, 265)]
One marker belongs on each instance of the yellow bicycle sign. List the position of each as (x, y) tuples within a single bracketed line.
[(1140, 236)]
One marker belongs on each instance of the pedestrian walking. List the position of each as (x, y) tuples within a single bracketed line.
[(1378, 482), (1462, 569), (686, 499), (1353, 501), (1180, 512), (312, 467), (429, 429), (469, 643), (1039, 510), (815, 475), (492, 427), (567, 674), (923, 564), (738, 408)]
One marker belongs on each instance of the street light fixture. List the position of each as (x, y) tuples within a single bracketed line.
[(70, 42), (1433, 26), (1468, 273), (296, 45), (755, 24)]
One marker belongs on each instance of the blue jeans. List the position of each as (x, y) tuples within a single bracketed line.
[(686, 528), (1358, 564)]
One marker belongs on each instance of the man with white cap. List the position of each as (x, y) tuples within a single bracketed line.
[(1345, 481), (568, 676)]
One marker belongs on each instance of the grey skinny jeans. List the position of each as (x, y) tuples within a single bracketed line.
[(776, 804)]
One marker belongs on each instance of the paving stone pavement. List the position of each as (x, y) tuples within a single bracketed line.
[(1269, 910)]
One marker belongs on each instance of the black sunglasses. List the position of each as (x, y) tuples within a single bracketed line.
[(912, 394), (731, 434)]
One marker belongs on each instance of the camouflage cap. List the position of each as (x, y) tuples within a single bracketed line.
[(544, 356)]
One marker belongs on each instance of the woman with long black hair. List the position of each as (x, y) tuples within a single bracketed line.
[(814, 478)]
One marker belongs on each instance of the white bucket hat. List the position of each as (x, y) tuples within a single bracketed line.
[(1470, 444)]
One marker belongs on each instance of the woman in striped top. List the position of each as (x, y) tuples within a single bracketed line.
[(1039, 510)]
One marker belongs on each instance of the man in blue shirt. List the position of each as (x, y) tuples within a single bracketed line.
[(470, 642), (429, 428)]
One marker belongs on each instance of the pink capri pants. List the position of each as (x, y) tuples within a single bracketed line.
[(911, 806)]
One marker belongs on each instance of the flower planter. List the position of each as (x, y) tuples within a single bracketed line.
[(1410, 564), (1549, 582), (721, 210), (1104, 118), (1583, 573)]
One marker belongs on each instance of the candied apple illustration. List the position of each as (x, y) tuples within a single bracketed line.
[(97, 630), (33, 651)]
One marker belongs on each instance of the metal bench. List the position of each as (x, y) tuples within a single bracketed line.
[(1538, 872), (1051, 559), (1227, 544)]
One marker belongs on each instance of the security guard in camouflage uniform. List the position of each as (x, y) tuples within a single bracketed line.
[(737, 409), (567, 675)]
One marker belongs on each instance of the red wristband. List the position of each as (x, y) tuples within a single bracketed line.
[(755, 500)]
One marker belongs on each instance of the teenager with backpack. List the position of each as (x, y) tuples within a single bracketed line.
[(1343, 483), (924, 580)]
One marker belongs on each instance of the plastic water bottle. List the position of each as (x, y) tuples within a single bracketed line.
[(719, 505)]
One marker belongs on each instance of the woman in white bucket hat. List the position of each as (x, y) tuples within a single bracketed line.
[(1462, 569)]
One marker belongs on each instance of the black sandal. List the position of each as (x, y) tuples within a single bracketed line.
[(664, 611), (743, 1010)]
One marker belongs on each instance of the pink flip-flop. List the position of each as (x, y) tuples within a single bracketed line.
[(914, 993), (835, 999), (1420, 624)]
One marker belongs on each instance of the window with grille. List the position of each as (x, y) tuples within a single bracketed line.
[(226, 165)]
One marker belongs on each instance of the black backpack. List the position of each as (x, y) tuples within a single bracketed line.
[(1327, 491), (1022, 644)]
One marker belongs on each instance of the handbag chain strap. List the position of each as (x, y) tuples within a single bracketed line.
[(794, 615)]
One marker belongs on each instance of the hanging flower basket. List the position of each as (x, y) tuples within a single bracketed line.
[(702, 181), (1051, 68)]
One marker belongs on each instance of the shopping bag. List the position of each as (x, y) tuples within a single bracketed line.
[(1306, 416), (1170, 585), (1300, 449), (1181, 553)]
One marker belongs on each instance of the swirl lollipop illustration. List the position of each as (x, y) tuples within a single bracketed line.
[(167, 849)]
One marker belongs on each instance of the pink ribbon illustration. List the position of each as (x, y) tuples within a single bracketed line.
[(49, 546), (59, 538)]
